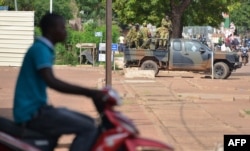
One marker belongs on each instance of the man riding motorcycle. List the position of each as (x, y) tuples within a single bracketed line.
[(244, 54), (31, 109)]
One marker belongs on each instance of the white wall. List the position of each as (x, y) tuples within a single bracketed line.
[(16, 35)]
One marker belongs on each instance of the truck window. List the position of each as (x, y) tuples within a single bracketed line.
[(192, 46), (177, 45)]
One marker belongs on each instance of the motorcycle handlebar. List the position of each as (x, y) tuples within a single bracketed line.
[(111, 98)]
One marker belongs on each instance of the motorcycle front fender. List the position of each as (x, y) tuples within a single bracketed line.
[(132, 144)]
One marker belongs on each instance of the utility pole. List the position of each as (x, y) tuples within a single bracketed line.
[(108, 42), (50, 8), (16, 5)]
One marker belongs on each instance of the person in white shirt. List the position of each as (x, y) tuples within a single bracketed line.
[(121, 43)]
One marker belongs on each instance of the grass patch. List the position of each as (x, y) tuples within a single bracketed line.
[(247, 112), (119, 54)]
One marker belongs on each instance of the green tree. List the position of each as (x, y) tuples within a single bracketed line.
[(62, 7), (92, 9), (240, 16), (177, 10), (2, 2), (182, 12)]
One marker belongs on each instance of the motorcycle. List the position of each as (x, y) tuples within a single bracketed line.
[(116, 132), (244, 56)]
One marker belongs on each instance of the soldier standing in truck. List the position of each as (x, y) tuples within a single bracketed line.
[(145, 34), (130, 36), (166, 22), (138, 36)]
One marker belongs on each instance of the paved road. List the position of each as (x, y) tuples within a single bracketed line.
[(194, 112), (190, 112)]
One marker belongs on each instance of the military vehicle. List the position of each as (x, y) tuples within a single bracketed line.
[(183, 55)]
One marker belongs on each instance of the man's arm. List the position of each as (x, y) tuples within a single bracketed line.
[(54, 83)]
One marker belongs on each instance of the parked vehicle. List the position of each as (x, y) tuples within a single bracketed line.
[(183, 55), (116, 132)]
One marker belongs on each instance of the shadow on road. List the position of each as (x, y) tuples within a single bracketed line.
[(241, 74), (162, 76)]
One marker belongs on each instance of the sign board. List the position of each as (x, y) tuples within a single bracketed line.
[(114, 47), (98, 34), (102, 47), (102, 57)]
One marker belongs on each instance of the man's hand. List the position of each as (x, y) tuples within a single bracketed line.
[(98, 99)]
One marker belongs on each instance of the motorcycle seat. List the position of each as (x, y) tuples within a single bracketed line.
[(15, 130)]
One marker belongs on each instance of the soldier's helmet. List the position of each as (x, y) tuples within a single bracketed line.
[(137, 25), (130, 25), (144, 24), (167, 17)]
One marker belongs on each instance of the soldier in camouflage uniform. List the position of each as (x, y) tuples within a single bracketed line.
[(138, 36), (131, 36), (161, 34), (145, 34), (164, 30)]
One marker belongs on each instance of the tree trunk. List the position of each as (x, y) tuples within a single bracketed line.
[(177, 26), (177, 11)]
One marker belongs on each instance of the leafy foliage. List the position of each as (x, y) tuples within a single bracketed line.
[(92, 9), (139, 11), (196, 12), (1, 2), (209, 13), (40, 7), (240, 16), (59, 6), (67, 53)]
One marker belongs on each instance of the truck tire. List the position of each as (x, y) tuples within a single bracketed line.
[(150, 65), (221, 70), (229, 74)]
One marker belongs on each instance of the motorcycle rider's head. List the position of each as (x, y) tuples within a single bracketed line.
[(53, 27)]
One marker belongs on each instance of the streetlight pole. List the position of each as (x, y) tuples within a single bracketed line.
[(15, 5), (108, 42), (50, 8)]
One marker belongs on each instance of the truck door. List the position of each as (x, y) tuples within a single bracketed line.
[(192, 56)]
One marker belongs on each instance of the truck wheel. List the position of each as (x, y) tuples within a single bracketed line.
[(150, 65), (229, 74), (221, 70)]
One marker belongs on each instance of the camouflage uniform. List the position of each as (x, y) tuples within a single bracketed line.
[(131, 36), (162, 33), (145, 34), (138, 36), (166, 22)]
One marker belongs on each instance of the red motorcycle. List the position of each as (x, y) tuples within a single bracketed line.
[(116, 132)]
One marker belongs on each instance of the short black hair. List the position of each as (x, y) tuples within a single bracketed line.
[(48, 21)]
